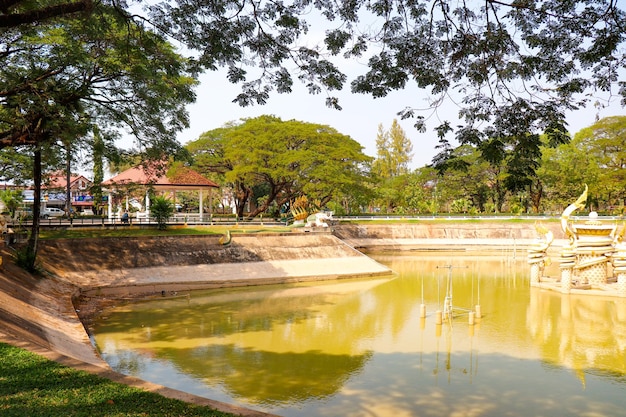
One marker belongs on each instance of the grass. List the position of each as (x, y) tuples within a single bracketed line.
[(33, 386), (450, 220), (131, 231)]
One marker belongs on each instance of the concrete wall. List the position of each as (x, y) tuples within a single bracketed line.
[(427, 235), (74, 255)]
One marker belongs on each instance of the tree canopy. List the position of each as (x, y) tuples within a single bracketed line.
[(513, 68), (62, 78), (286, 159)]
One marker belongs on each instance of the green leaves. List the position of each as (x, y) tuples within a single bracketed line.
[(101, 67), (161, 209), (284, 158)]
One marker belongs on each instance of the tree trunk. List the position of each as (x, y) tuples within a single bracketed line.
[(31, 248), (242, 194), (68, 175), (263, 207), (536, 194)]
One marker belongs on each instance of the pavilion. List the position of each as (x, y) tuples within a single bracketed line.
[(155, 177)]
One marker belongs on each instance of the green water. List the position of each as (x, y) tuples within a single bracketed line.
[(360, 348)]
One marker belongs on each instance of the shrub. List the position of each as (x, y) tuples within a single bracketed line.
[(161, 209)]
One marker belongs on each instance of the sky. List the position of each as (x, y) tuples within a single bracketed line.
[(360, 117)]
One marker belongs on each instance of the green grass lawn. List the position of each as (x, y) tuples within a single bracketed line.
[(33, 386), (78, 233)]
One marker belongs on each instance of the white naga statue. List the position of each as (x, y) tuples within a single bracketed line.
[(592, 248)]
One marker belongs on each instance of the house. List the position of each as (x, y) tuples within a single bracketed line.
[(54, 191)]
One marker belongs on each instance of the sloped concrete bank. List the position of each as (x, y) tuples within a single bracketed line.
[(441, 236), (156, 264)]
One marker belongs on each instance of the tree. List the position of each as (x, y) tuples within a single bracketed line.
[(59, 80), (12, 200), (15, 166), (393, 152), (98, 170), (605, 143), (563, 172), (161, 209), (288, 158)]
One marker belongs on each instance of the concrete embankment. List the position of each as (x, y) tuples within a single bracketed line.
[(155, 264), (439, 236)]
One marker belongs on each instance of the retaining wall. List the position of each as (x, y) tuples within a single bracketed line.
[(453, 235)]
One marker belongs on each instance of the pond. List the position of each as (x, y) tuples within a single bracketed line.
[(360, 348)]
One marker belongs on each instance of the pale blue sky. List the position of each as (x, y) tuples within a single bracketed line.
[(359, 118)]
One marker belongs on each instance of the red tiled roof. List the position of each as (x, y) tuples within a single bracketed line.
[(185, 177), (59, 180)]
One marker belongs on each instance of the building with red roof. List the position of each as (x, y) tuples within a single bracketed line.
[(158, 178), (54, 191)]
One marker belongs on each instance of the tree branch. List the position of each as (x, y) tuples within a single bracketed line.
[(15, 19)]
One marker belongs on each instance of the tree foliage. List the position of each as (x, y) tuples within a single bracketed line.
[(602, 150), (11, 200), (394, 151), (61, 78), (161, 209), (288, 158), (514, 69)]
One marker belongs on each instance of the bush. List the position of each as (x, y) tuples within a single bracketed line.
[(161, 209), (25, 259)]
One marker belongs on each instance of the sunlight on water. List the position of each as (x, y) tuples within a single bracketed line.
[(360, 348)]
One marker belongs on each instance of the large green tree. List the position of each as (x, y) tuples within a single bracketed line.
[(564, 171), (58, 80), (513, 69), (604, 143), (285, 158)]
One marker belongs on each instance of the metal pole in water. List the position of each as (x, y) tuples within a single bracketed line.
[(422, 306), (477, 308), (478, 313), (422, 311)]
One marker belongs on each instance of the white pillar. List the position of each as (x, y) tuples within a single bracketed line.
[(148, 203), (211, 201), (201, 207), (110, 213)]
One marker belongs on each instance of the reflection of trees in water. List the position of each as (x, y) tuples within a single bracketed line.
[(264, 345), (586, 333), (268, 378), (286, 345)]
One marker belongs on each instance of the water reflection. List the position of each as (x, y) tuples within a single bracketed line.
[(359, 348)]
